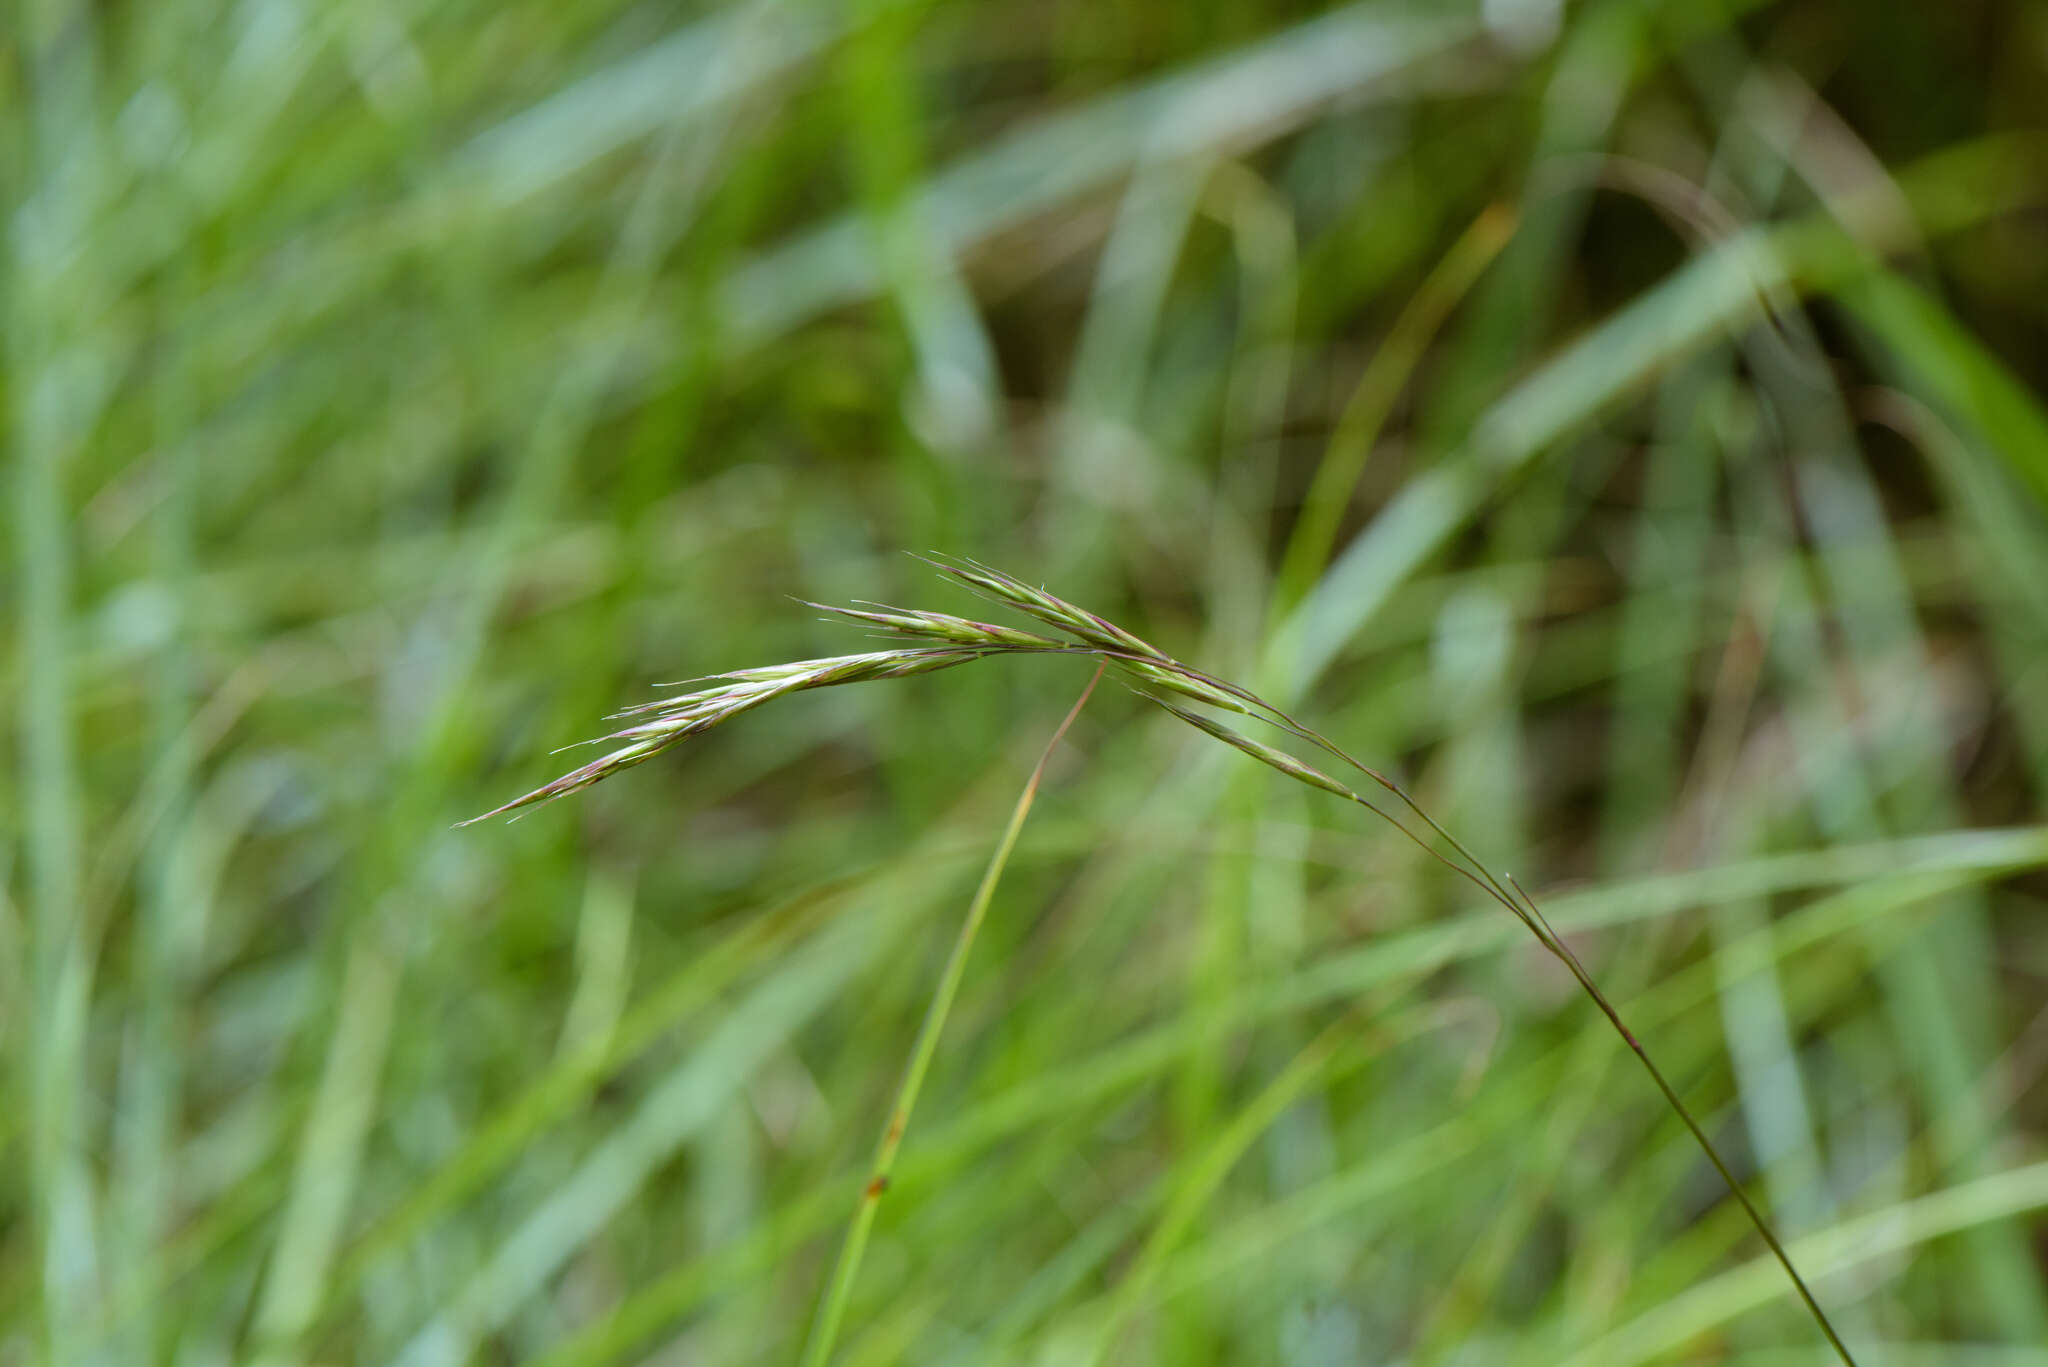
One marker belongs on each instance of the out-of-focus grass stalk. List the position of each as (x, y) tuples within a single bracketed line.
[(1718, 290), (170, 916), (1308, 1066), (825, 1331), (51, 414), (1372, 402)]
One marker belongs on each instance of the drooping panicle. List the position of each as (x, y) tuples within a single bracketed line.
[(1152, 674), (653, 726)]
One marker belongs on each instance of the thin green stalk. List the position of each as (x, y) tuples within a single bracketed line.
[(825, 1330), (1564, 954), (49, 419), (1371, 403), (1205, 1173)]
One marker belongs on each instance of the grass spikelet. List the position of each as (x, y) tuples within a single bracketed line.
[(1079, 623), (941, 626), (1264, 754), (668, 721)]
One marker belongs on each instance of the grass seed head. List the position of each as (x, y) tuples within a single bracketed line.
[(655, 725)]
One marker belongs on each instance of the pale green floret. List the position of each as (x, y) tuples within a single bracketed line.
[(1054, 611), (1176, 681), (803, 668), (1265, 754), (941, 626)]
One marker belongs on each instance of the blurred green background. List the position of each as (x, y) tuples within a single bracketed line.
[(1621, 419)]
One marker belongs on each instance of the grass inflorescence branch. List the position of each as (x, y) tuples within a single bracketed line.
[(929, 641)]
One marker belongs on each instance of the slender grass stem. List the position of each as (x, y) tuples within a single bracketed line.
[(1564, 953), (825, 1329), (1518, 902)]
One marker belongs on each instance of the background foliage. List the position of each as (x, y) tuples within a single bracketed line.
[(1621, 419)]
